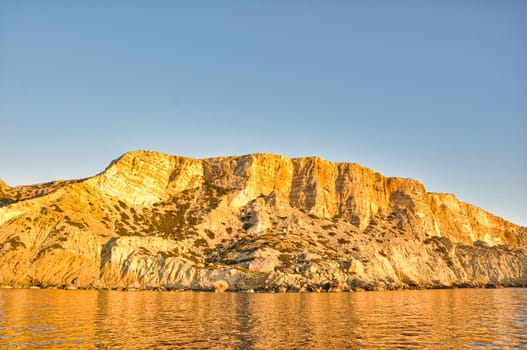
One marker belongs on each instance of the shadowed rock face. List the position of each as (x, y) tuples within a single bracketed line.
[(259, 221)]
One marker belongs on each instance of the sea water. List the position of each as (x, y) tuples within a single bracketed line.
[(458, 318)]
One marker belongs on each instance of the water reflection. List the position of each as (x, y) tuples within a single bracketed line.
[(138, 320)]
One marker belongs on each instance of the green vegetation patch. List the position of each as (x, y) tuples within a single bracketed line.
[(201, 242), (210, 234)]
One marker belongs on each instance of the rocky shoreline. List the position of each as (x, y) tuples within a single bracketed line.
[(318, 289)]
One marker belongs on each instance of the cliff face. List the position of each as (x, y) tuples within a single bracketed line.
[(252, 222)]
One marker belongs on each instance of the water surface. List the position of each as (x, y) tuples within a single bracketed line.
[(463, 318)]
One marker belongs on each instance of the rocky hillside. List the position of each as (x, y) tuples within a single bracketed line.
[(254, 222)]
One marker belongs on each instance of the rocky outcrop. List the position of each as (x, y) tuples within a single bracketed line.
[(254, 222), (4, 188)]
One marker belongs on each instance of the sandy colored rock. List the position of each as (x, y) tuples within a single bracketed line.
[(220, 286), (3, 185), (253, 222)]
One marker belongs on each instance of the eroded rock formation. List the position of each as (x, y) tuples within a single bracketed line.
[(254, 222)]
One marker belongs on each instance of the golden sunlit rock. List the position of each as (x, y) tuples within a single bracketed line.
[(259, 221)]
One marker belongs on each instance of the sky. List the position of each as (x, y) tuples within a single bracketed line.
[(432, 90)]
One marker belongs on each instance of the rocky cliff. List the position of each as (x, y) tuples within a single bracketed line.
[(254, 222)]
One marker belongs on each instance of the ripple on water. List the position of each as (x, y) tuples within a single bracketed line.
[(473, 318)]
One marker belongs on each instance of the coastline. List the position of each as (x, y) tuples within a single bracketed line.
[(267, 290)]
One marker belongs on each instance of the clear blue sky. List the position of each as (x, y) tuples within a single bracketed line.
[(433, 90)]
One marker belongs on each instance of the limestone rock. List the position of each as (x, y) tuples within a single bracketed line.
[(264, 261), (253, 222), (356, 267), (220, 286), (3, 186)]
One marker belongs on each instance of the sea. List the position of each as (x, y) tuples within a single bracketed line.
[(423, 319)]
